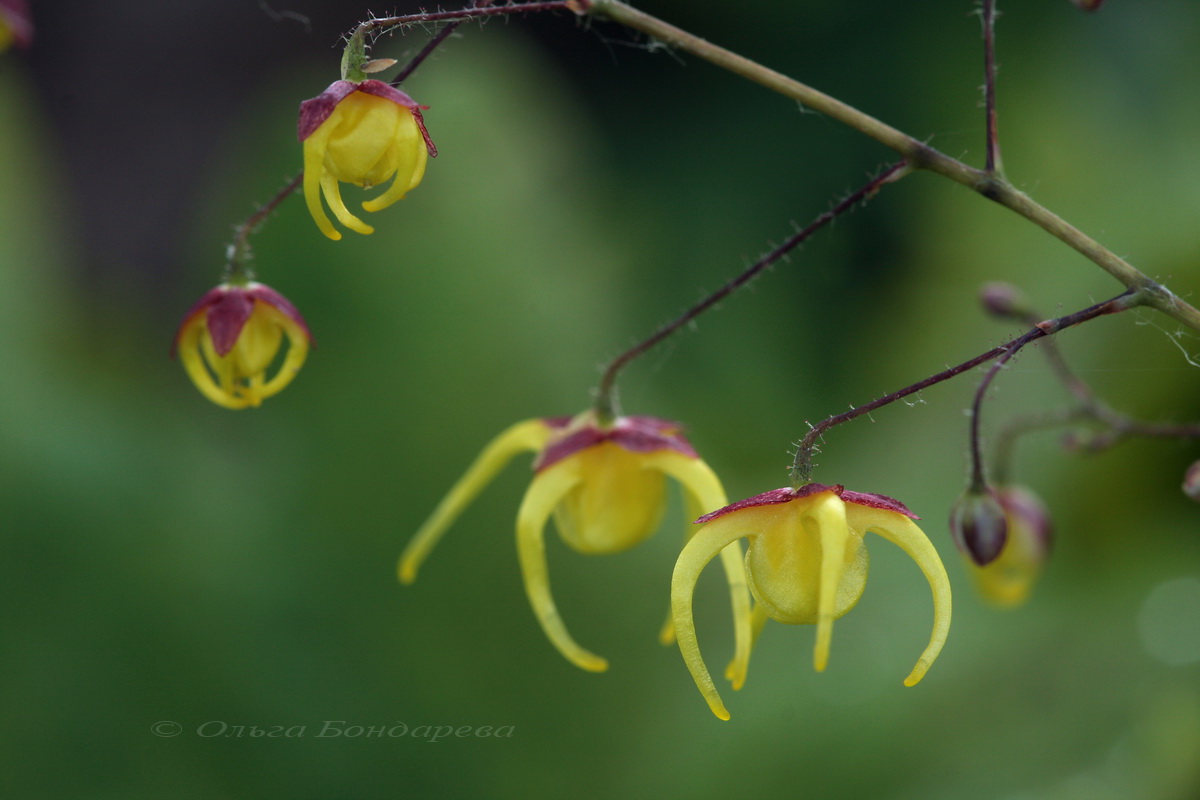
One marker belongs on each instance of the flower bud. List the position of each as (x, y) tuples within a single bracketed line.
[(365, 134), (1008, 580), (1004, 300), (978, 526), (1088, 5), (230, 338), (1191, 481)]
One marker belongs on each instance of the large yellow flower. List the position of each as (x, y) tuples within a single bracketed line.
[(806, 564), (229, 339), (605, 486), (360, 133)]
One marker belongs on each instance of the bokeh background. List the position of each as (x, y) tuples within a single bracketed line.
[(164, 560)]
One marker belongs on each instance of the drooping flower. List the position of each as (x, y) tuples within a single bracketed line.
[(16, 26), (806, 564), (605, 486), (361, 133), (1008, 579), (231, 336)]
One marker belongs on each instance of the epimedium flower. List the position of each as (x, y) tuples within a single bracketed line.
[(364, 133), (806, 563), (231, 336), (1008, 579), (16, 26), (605, 485)]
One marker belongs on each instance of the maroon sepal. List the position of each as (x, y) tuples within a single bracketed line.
[(228, 307), (315, 111), (787, 495), (635, 434)]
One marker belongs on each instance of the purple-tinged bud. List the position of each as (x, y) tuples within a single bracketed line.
[(1008, 581), (1004, 300), (1191, 481), (1088, 5), (978, 526), (1028, 515)]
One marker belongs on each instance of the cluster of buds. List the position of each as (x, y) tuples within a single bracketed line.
[(362, 132)]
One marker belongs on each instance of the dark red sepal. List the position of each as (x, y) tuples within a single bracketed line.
[(877, 501), (787, 495), (315, 111), (227, 315), (635, 434), (228, 307)]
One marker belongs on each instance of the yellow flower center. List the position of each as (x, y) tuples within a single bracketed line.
[(618, 503), (783, 567), (371, 137)]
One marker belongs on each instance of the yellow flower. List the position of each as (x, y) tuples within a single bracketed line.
[(605, 485), (360, 133), (806, 564), (1008, 579), (16, 27), (229, 339)]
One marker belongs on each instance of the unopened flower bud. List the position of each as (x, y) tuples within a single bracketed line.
[(978, 526), (1004, 300), (1008, 580), (230, 338), (1191, 481), (1088, 5)]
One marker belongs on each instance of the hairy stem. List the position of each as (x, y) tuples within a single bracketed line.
[(237, 255), (606, 405), (802, 464), (988, 14), (915, 152)]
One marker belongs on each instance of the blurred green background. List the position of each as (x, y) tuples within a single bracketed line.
[(168, 561)]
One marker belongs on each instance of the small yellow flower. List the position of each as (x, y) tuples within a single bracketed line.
[(16, 27), (360, 133), (229, 339), (806, 564), (1008, 579), (605, 485)]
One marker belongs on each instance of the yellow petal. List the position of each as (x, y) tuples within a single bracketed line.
[(193, 362), (547, 490), (712, 538), (904, 533), (828, 515), (314, 169), (410, 157), (704, 493), (528, 435), (297, 353), (333, 196)]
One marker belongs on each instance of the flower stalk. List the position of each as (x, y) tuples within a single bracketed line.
[(606, 402), (802, 464)]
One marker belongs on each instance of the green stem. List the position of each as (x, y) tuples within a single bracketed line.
[(915, 152)]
